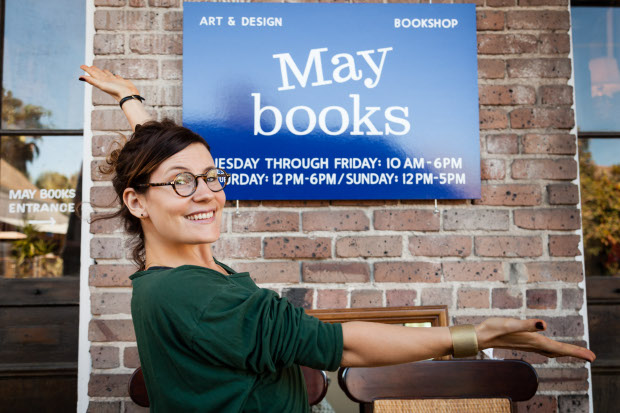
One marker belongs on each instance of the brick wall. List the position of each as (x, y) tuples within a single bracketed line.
[(511, 253)]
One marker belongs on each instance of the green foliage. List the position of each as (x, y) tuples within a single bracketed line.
[(31, 246), (600, 200), (17, 116)]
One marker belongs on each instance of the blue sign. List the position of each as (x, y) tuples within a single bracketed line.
[(338, 101)]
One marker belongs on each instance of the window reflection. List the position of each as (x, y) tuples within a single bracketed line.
[(39, 195), (596, 34), (43, 47), (599, 168)]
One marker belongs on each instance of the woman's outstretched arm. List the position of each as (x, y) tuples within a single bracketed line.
[(376, 344), (118, 88)]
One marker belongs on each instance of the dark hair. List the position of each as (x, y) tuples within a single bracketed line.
[(134, 162)]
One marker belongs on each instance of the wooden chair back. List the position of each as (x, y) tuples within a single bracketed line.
[(316, 384), (486, 385)]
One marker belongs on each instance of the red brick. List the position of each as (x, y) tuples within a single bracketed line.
[(493, 119), (265, 221), (297, 247), (110, 3), (407, 272), (173, 21), (366, 298), (300, 203), (114, 275), (106, 120), (510, 246), (331, 299), (335, 272), (299, 297), (537, 20), (103, 197), (557, 169), (121, 20), (510, 195), (110, 303), (502, 144), (501, 3), (528, 118), (173, 114), (473, 271), (104, 407), (564, 245), (108, 44), (476, 219), (104, 226), (556, 144), (271, 272), (539, 68), (374, 246), (106, 248), (541, 299), (108, 385), (331, 220), (407, 220), (562, 379), (437, 296), (245, 247), (104, 357), (131, 359), (130, 68), (164, 3), (563, 194), (492, 169), (574, 403), (492, 43), (568, 326), (440, 245), (572, 299), (507, 298), (111, 330), (561, 219), (489, 20), (131, 407), (102, 145), (137, 3), (172, 69), (400, 298), (506, 95), (543, 3), (538, 404), (472, 298), (554, 43), (566, 271), (491, 68), (171, 44), (528, 357)]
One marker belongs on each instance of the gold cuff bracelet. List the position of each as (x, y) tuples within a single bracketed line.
[(464, 340)]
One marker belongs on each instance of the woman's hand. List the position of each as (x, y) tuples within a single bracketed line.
[(113, 85), (523, 335)]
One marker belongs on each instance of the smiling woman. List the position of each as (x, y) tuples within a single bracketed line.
[(209, 339)]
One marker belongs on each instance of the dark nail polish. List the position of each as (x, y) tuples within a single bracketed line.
[(82, 79), (539, 325)]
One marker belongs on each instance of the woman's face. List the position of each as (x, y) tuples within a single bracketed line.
[(174, 219)]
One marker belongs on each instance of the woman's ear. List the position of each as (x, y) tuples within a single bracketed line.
[(135, 203)]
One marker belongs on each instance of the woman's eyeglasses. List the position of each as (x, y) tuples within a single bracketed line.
[(185, 183)]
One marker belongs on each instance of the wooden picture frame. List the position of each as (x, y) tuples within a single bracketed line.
[(432, 316)]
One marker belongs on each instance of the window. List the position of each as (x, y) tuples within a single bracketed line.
[(41, 137), (596, 41)]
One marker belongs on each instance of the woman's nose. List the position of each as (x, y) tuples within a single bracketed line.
[(202, 190)]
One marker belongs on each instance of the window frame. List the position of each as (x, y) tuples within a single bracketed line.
[(594, 3)]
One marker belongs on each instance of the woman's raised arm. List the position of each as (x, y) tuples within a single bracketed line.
[(375, 344), (118, 88)]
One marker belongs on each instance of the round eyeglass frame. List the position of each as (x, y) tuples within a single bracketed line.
[(204, 176)]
